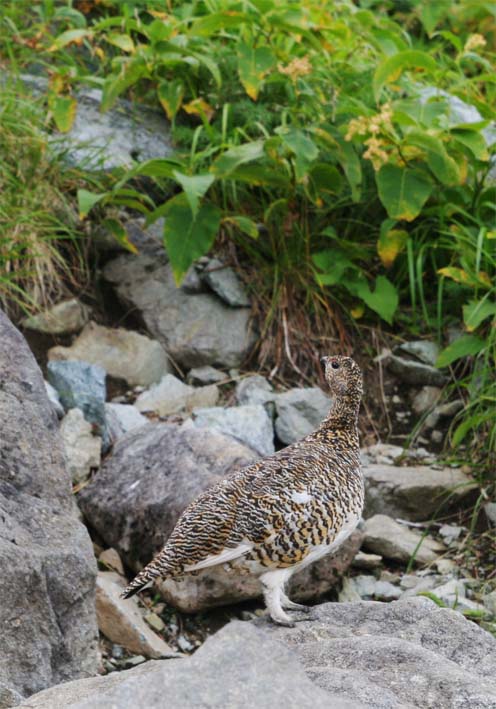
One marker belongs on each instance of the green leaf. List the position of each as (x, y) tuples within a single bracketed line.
[(333, 263), (442, 165), (391, 242), (170, 94), (233, 158), (187, 239), (403, 191), (324, 179), (469, 424), (122, 41), (158, 167), (131, 72), (63, 109), (303, 148), (473, 141), (383, 299), (431, 13), (215, 21), (463, 347), (476, 311), (87, 200), (253, 64), (391, 68), (68, 37), (244, 224), (194, 187)]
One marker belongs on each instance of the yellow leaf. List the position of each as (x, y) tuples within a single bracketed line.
[(390, 244), (199, 107), (456, 274), (358, 311)]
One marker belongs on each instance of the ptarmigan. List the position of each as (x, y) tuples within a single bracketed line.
[(281, 513)]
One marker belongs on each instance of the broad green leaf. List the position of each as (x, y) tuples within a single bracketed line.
[(390, 69), (476, 311), (470, 424), (187, 239), (333, 263), (131, 72), (442, 165), (473, 141), (63, 109), (122, 41), (345, 154), (383, 299), (87, 200), (170, 94), (215, 21), (233, 158), (120, 234), (195, 187), (68, 37), (260, 175), (391, 242), (158, 167), (463, 347), (253, 65), (403, 191), (324, 179), (431, 13), (244, 224), (303, 148)]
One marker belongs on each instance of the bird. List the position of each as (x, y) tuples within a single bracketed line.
[(273, 517)]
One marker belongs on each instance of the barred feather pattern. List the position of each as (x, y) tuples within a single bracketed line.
[(276, 511)]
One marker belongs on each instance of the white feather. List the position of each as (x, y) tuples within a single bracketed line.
[(222, 557)]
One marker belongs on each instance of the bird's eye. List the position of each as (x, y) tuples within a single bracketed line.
[(335, 365)]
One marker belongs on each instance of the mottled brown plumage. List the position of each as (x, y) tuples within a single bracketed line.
[(277, 515)]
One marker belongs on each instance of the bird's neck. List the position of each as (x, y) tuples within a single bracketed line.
[(343, 414)]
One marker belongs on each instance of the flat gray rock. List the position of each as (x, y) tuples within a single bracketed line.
[(416, 373), (170, 396), (63, 318), (416, 493), (224, 281), (122, 418), (47, 579), (395, 541), (195, 329), (254, 390), (240, 667)]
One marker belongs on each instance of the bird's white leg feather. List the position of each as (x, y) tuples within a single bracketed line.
[(273, 585), (290, 605)]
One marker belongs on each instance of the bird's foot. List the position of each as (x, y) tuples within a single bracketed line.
[(282, 619), (291, 606)]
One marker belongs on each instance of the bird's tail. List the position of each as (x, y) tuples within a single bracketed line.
[(149, 573)]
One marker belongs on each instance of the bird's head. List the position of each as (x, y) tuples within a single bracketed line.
[(343, 375)]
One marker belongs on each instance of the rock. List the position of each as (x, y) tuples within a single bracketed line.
[(122, 418), (120, 620), (398, 655), (64, 318), (423, 350), (254, 390), (171, 395), (123, 354), (148, 239), (426, 399), (192, 282), (449, 409), (382, 535), (81, 386), (453, 594), (205, 375), (82, 449), (415, 493), (361, 587), (155, 622), (450, 533), (47, 580), (224, 281), (367, 561), (299, 412), (153, 474), (9, 697), (445, 566), (489, 601), (240, 667), (415, 373), (437, 436), (53, 398), (490, 511), (193, 329), (248, 424), (382, 454), (111, 559), (219, 586)]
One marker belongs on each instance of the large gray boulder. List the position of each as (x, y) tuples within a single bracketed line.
[(299, 412), (194, 329), (139, 493), (47, 578), (398, 655), (153, 474), (241, 667), (415, 492)]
